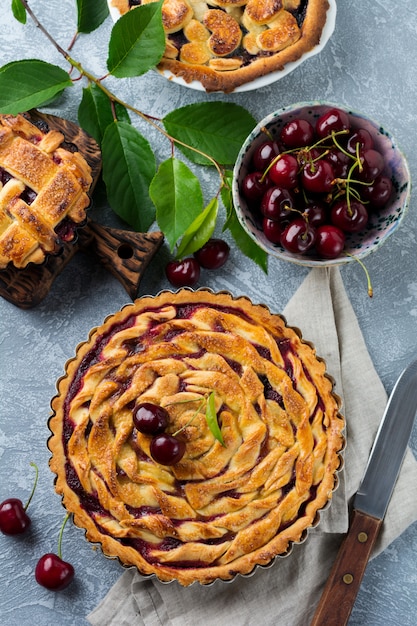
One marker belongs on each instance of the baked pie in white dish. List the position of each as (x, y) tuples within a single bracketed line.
[(232, 45), (43, 191), (228, 504)]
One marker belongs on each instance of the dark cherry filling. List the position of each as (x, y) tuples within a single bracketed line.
[(270, 393), (66, 230), (88, 501), (27, 195)]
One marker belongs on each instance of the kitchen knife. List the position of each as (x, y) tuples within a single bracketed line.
[(370, 502)]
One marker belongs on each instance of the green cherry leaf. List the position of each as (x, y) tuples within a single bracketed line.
[(245, 243), (199, 231), (90, 14), (137, 41), (211, 419), (217, 129), (128, 168), (95, 112), (19, 11), (30, 83), (177, 195)]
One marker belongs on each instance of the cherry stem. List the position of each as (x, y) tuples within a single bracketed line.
[(60, 535), (34, 485), (200, 406), (368, 278)]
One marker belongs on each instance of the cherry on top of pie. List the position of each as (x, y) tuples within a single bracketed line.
[(43, 191), (221, 509), (224, 44)]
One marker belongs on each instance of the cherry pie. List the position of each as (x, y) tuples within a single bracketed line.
[(221, 509), (224, 44), (43, 191)]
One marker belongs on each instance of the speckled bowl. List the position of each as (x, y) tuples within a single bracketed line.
[(381, 224)]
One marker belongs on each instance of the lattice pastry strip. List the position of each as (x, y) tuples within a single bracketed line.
[(41, 185)]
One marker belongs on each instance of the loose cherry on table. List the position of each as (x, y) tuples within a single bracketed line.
[(52, 572), (213, 254), (13, 517), (183, 273)]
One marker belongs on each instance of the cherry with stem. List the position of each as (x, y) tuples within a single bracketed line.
[(13, 517), (52, 572)]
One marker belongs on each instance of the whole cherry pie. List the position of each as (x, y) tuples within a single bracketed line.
[(231, 502), (43, 191), (224, 44)]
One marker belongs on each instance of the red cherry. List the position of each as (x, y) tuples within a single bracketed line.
[(351, 218), (333, 120), (284, 171), (372, 165), (183, 273), (318, 177), (277, 203), (263, 156), (13, 517), (379, 192), (330, 241), (167, 449), (360, 140), (297, 133), (254, 185), (272, 229), (298, 236), (315, 213), (150, 419), (339, 161), (213, 254), (53, 573)]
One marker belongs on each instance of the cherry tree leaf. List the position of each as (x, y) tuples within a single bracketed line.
[(19, 11), (30, 83), (128, 168), (245, 243), (199, 231), (217, 129), (90, 14), (137, 41), (177, 195), (95, 112), (211, 419)]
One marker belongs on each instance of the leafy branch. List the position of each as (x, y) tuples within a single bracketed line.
[(140, 191)]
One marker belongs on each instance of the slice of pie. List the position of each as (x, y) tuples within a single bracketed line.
[(224, 44), (224, 508), (43, 191)]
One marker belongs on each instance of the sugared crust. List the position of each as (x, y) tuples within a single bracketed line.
[(255, 18), (228, 508), (58, 178)]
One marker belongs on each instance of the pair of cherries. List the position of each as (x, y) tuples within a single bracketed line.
[(51, 570), (186, 272), (152, 419)]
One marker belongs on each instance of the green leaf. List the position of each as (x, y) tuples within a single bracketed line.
[(128, 168), (199, 231), (177, 195), (137, 41), (19, 11), (95, 112), (28, 84), (211, 419), (90, 14), (217, 129), (245, 243)]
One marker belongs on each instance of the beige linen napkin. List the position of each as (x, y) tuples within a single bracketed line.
[(286, 594)]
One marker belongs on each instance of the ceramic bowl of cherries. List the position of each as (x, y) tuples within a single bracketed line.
[(319, 184)]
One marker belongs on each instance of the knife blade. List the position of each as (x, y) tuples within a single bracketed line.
[(370, 502)]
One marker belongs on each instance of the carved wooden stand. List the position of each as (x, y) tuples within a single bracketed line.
[(123, 253)]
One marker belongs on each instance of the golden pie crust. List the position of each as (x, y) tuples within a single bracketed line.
[(224, 44), (41, 185), (222, 509)]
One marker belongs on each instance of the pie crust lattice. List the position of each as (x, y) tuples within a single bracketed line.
[(221, 510), (43, 191)]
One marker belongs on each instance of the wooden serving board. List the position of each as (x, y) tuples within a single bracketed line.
[(124, 253)]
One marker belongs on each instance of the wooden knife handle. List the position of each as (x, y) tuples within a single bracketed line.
[(343, 584)]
